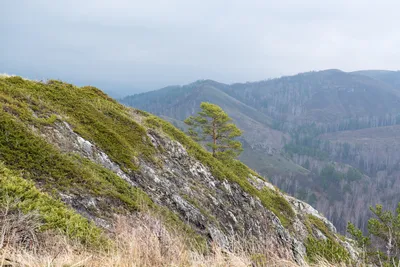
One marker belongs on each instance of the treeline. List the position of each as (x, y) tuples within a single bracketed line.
[(370, 158), (344, 124), (359, 123)]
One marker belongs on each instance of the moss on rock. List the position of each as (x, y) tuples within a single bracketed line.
[(54, 214)]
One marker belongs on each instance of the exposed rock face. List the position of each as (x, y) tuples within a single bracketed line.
[(305, 209), (347, 118), (62, 136), (81, 149), (220, 210)]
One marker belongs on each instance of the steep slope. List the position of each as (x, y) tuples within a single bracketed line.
[(291, 147), (99, 158), (310, 104), (262, 142)]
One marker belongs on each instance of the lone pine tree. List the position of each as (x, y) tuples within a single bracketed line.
[(214, 127)]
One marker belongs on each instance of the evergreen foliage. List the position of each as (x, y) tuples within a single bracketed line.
[(217, 130), (54, 214), (382, 245)]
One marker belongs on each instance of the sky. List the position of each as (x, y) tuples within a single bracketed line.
[(130, 46)]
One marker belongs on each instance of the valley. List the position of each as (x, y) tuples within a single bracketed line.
[(327, 137)]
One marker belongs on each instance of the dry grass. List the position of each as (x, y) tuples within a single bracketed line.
[(16, 228), (139, 241)]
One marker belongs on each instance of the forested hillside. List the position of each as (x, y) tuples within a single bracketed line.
[(328, 137)]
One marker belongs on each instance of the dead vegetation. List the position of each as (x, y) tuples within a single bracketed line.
[(140, 240), (18, 229)]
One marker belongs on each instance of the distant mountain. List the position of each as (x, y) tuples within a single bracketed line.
[(177, 100), (323, 97), (387, 76), (297, 129)]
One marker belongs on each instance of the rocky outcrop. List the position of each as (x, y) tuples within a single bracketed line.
[(218, 209)]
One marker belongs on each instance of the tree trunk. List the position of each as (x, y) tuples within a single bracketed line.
[(214, 138)]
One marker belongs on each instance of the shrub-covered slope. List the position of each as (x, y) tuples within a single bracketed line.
[(79, 158), (315, 120)]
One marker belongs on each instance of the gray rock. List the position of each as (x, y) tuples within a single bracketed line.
[(220, 210)]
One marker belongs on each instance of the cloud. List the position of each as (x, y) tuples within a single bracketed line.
[(132, 46)]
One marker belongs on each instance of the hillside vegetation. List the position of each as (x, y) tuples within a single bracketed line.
[(73, 161), (329, 138)]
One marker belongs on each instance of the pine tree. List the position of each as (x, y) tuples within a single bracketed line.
[(214, 127), (384, 227)]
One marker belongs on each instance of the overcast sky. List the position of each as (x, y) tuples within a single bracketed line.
[(127, 46)]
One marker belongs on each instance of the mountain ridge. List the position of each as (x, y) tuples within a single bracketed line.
[(291, 149)]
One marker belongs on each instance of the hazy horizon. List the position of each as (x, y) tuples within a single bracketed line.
[(126, 47), (120, 93)]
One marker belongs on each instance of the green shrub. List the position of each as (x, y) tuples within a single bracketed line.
[(320, 225), (91, 113), (22, 150), (55, 214), (326, 249), (97, 118)]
